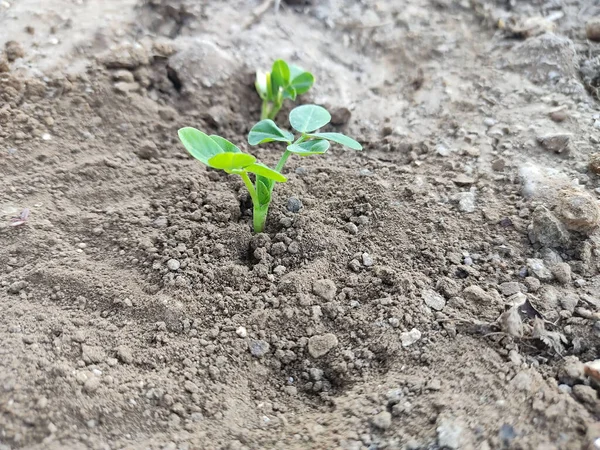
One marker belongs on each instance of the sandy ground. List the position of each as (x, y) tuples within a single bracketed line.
[(438, 290)]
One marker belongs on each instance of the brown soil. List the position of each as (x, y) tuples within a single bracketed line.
[(440, 289)]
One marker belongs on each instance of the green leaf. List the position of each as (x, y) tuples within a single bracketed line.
[(290, 93), (314, 147), (266, 172), (280, 76), (307, 118), (263, 190), (295, 71), (267, 131), (303, 82), (231, 161), (339, 138), (198, 144), (225, 145)]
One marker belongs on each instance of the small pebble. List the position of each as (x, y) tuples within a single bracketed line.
[(173, 264), (241, 332), (294, 204)]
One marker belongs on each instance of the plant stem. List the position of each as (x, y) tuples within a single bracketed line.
[(274, 110), (264, 113), (282, 161), (250, 187), (259, 217)]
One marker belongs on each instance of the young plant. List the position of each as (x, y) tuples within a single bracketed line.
[(219, 153), (283, 82)]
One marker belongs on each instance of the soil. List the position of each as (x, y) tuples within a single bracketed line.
[(438, 290)]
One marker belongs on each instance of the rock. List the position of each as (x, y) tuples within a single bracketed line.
[(536, 267), (571, 371), (294, 204), (201, 63), (510, 288), (569, 302), (585, 394), (433, 299), (592, 29), (125, 56), (383, 420), (594, 163), (17, 287), (562, 272), (259, 348), (91, 385), (532, 283), (173, 264), (351, 228), (522, 381), (92, 354), (241, 332), (160, 222), (498, 165), (449, 434), (340, 116), (408, 338), (321, 345), (546, 229), (559, 116), (325, 289), (127, 88), (147, 150), (466, 201), (13, 50), (557, 143), (578, 210), (545, 58), (190, 387), (591, 369), (124, 354), (476, 294), (463, 180), (367, 260)]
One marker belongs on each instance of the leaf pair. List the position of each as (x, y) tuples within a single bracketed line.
[(306, 119), (219, 153), (284, 81)]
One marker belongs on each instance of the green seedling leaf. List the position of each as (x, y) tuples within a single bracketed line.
[(303, 82), (280, 77), (267, 131), (225, 145), (198, 144), (266, 172), (307, 118), (231, 161), (339, 138), (263, 190), (290, 93), (306, 148), (295, 71)]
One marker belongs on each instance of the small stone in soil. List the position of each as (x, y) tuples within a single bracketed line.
[(592, 29), (383, 420), (408, 338), (536, 267), (259, 348), (351, 228), (325, 289), (241, 332), (294, 204), (433, 299), (449, 435), (321, 345), (173, 264)]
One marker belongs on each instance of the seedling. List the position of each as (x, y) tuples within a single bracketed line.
[(219, 153), (285, 81)]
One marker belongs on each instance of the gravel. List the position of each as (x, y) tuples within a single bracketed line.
[(259, 348), (433, 299)]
